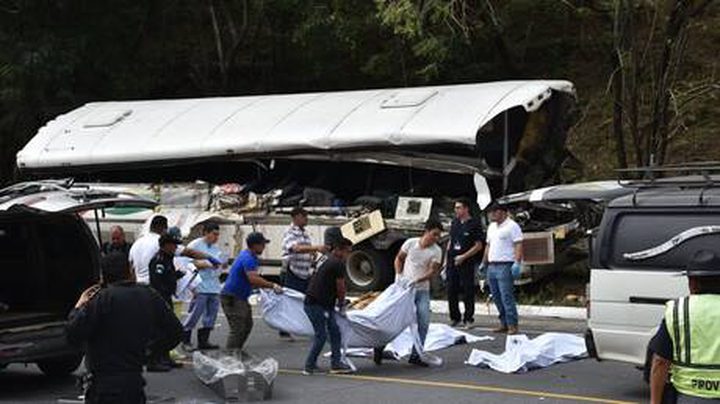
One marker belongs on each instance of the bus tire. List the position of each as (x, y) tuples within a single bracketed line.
[(368, 269)]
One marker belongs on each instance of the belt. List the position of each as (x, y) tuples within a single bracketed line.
[(501, 263)]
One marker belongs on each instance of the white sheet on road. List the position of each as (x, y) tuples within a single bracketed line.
[(523, 354), (440, 336), (378, 324)]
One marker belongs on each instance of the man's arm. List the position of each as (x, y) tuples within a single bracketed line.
[(195, 254), (83, 319), (433, 270), (258, 281), (476, 248), (658, 378), (341, 289), (517, 238), (308, 249), (518, 251), (400, 261)]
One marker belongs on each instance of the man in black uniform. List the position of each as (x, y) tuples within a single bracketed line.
[(163, 278), (163, 275), (117, 323), (464, 249)]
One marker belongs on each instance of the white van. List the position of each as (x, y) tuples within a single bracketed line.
[(643, 243)]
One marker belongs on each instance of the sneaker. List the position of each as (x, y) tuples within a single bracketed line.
[(501, 330), (341, 369), (468, 325), (512, 330), (309, 371), (455, 324), (188, 348), (415, 360)]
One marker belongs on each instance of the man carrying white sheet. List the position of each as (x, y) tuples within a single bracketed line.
[(418, 261)]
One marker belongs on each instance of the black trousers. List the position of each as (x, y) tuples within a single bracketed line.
[(161, 356), (461, 281), (116, 389)]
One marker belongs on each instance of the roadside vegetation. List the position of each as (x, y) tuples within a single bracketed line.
[(646, 71)]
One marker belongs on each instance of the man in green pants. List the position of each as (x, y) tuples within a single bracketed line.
[(242, 279)]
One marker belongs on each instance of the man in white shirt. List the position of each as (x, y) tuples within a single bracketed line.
[(419, 261), (503, 259), (146, 247)]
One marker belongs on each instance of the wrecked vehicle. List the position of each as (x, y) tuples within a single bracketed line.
[(379, 162), (562, 215), (50, 256)]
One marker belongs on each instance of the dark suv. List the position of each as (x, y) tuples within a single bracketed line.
[(48, 256)]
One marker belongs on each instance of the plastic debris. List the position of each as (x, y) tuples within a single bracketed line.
[(234, 379)]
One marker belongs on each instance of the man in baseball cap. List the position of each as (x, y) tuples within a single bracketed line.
[(163, 278), (243, 277)]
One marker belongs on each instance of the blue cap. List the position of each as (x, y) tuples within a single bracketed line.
[(255, 238)]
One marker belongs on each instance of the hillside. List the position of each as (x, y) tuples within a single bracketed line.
[(659, 59)]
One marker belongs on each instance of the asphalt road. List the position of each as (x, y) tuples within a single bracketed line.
[(393, 382)]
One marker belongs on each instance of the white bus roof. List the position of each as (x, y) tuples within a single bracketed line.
[(121, 132)]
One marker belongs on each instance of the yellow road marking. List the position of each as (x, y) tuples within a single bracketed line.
[(468, 386)]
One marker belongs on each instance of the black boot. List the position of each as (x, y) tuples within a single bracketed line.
[(203, 339), (187, 341)]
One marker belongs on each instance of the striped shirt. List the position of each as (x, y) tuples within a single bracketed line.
[(299, 264)]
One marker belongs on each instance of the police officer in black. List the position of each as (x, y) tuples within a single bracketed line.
[(163, 275), (163, 278), (464, 249), (117, 323)]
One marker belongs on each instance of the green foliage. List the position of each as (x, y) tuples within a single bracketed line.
[(57, 55)]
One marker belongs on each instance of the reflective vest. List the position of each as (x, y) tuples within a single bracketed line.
[(694, 326)]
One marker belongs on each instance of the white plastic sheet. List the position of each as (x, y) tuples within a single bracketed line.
[(285, 312), (382, 320), (189, 282), (523, 354), (440, 336), (212, 369), (378, 324)]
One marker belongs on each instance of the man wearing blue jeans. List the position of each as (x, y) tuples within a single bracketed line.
[(325, 290), (418, 261), (503, 258), (206, 301), (298, 254)]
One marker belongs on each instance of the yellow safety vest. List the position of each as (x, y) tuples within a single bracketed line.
[(694, 326)]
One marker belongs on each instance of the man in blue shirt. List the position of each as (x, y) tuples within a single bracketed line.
[(206, 300), (242, 279)]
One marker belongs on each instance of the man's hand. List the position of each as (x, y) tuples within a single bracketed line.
[(322, 249), (88, 294), (341, 311), (516, 269), (277, 288), (460, 259)]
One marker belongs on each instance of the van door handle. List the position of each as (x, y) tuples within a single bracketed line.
[(649, 300)]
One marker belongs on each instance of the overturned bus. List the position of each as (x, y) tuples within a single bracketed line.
[(379, 162)]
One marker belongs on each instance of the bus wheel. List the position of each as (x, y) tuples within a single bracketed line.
[(368, 270)]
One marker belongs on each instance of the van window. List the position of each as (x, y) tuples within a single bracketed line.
[(632, 232)]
